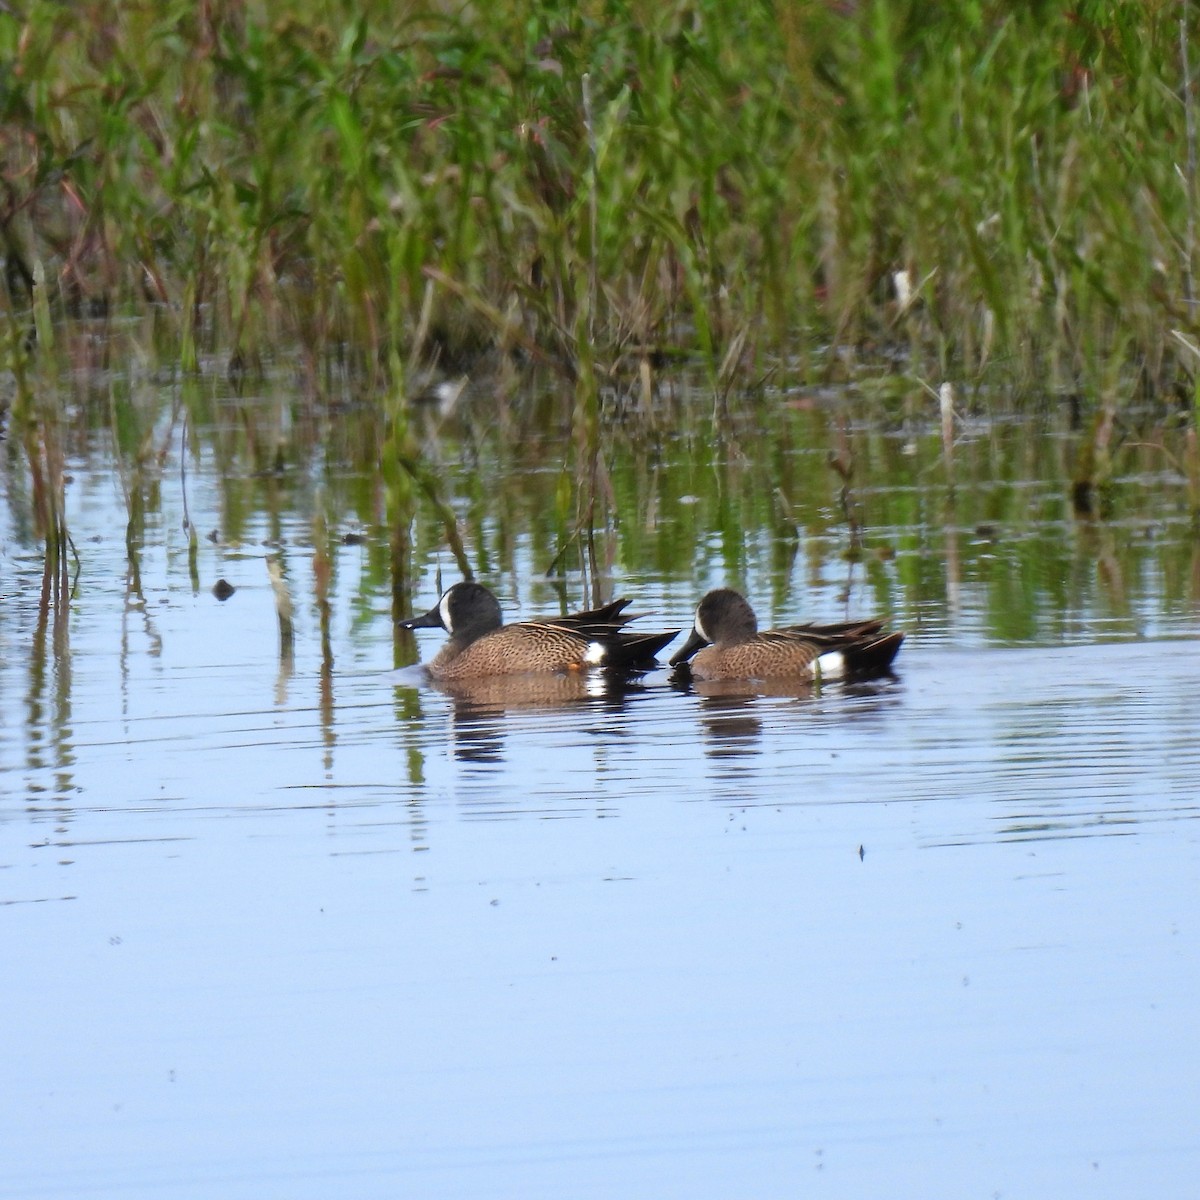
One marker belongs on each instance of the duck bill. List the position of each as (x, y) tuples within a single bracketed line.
[(430, 620), (694, 643)]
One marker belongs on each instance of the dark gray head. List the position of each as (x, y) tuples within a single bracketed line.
[(722, 616), (465, 608)]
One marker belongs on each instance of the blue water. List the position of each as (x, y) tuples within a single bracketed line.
[(269, 932)]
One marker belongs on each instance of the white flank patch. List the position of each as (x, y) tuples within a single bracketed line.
[(444, 609), (830, 666), (595, 654)]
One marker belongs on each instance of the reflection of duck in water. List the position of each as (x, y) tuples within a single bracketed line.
[(484, 710), (727, 645), (481, 645), (731, 722), (545, 689)]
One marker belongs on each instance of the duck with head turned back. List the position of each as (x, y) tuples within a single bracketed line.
[(726, 643), (481, 645)]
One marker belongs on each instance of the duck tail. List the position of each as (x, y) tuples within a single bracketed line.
[(636, 651), (873, 657), (606, 614)]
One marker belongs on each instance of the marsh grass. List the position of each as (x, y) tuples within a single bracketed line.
[(584, 183)]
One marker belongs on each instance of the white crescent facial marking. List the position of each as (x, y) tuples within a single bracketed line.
[(700, 629), (595, 654), (444, 610)]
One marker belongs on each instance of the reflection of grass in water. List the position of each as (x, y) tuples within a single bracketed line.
[(756, 504), (990, 190), (760, 499), (38, 418)]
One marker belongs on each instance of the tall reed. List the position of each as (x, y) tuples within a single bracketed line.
[(688, 175)]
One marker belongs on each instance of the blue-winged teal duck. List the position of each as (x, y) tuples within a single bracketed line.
[(481, 645), (730, 646)]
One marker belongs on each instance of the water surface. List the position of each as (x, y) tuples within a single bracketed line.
[(310, 927)]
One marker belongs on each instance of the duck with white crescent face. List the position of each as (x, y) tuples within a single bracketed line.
[(725, 643), (481, 645)]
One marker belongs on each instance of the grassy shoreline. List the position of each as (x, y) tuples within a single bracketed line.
[(1002, 198)]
